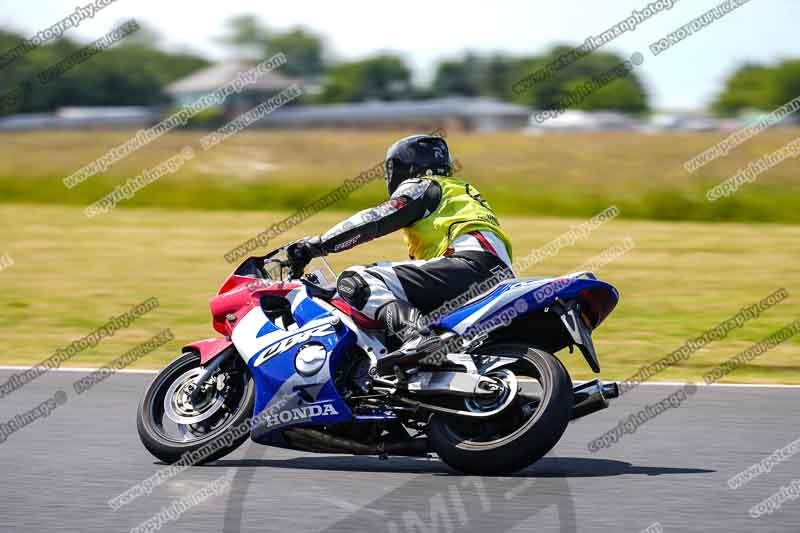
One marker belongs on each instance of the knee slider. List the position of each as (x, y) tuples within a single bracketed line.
[(353, 289)]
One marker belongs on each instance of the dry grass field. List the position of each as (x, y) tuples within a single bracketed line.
[(552, 175), (71, 273)]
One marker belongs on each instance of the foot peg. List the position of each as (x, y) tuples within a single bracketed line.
[(410, 354)]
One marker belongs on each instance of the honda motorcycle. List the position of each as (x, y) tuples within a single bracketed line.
[(297, 367)]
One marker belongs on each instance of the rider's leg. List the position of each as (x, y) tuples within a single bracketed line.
[(398, 317), (397, 293), (368, 289), (377, 292)]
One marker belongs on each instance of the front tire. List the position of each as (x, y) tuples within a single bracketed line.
[(482, 447), (170, 426)]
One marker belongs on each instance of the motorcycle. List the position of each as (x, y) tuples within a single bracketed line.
[(297, 367)]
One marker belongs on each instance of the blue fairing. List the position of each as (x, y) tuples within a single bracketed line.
[(516, 297), (291, 398), (285, 398)]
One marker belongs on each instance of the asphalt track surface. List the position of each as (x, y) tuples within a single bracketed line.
[(59, 473)]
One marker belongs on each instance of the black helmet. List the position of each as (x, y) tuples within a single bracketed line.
[(416, 156)]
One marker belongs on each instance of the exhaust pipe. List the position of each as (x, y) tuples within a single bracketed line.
[(591, 397)]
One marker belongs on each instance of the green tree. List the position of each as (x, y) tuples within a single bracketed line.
[(761, 87), (130, 73), (247, 36), (460, 77), (787, 82), (496, 75), (750, 87), (305, 51), (623, 94), (497, 78), (474, 75), (382, 77)]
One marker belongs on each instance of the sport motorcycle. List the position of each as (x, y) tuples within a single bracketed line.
[(296, 367)]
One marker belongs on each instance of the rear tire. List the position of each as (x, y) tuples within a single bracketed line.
[(528, 443), (169, 449)]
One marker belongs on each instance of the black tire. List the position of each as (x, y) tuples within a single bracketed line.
[(169, 450), (525, 445)]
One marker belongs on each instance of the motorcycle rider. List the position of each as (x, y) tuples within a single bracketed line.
[(454, 241)]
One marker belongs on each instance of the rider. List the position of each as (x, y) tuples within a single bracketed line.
[(454, 240)]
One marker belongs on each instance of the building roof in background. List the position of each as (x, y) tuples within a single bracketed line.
[(579, 120), (83, 117), (215, 76), (400, 110)]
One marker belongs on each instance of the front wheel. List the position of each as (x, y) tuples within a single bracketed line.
[(524, 431), (170, 424)]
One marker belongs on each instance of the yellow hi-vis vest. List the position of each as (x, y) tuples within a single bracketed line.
[(461, 210)]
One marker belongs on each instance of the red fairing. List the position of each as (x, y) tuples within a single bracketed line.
[(254, 284), (208, 348), (242, 295), (279, 288), (234, 281), (361, 320)]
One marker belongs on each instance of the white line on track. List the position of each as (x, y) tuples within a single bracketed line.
[(82, 369), (646, 383)]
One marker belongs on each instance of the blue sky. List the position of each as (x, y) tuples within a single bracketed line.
[(685, 77)]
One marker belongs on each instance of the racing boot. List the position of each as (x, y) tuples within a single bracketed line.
[(402, 323)]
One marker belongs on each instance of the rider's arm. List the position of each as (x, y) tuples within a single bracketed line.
[(414, 199)]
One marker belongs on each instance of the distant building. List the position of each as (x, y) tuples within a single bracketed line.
[(576, 120), (687, 122), (454, 113), (207, 80), (83, 117)]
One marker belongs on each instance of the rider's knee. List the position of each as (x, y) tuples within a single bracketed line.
[(353, 289)]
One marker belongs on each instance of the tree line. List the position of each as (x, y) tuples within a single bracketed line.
[(136, 72)]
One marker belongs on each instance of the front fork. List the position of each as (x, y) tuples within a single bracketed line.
[(208, 371)]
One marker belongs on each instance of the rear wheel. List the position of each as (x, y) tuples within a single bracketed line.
[(170, 424), (524, 431)]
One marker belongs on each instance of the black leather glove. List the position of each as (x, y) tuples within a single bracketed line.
[(304, 250)]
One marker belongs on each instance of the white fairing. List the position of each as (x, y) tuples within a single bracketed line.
[(248, 344), (245, 333)]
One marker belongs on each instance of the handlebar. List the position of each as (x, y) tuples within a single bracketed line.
[(294, 263), (296, 270)]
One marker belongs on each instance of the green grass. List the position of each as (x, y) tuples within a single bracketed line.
[(72, 273), (567, 175)]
